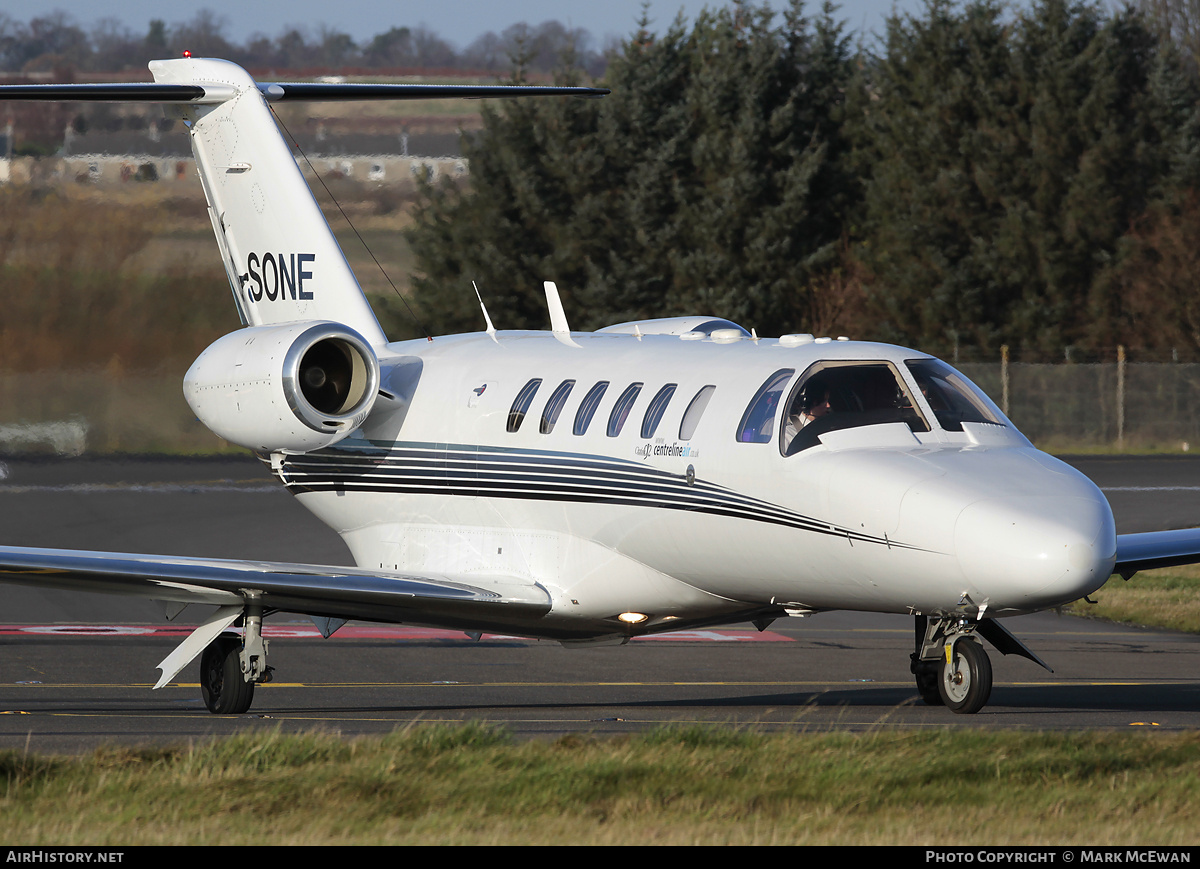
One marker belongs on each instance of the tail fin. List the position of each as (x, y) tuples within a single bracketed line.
[(281, 256)]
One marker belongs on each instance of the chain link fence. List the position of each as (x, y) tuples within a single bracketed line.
[(1116, 406), (1060, 407)]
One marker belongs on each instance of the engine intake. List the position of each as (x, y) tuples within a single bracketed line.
[(294, 387)]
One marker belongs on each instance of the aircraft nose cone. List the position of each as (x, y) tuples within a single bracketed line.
[(1036, 551)]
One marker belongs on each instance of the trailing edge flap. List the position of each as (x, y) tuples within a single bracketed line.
[(309, 589), (1153, 549)]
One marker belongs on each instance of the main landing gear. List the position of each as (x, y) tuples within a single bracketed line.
[(950, 665), (232, 665)]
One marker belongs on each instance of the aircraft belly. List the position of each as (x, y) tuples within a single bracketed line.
[(605, 559), (531, 541)]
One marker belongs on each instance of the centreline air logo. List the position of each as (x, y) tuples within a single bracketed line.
[(660, 447), (278, 276)]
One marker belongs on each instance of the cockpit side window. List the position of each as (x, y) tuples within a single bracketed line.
[(620, 411), (952, 398), (758, 422), (520, 405), (654, 413), (555, 405), (837, 395)]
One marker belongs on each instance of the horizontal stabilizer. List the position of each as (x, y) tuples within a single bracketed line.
[(212, 92), (328, 92), (118, 93)]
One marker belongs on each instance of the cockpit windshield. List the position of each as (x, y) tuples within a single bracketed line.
[(838, 395), (952, 398)]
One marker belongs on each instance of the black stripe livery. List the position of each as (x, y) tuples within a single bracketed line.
[(488, 472)]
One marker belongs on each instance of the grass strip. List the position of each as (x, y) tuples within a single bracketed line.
[(474, 784), (1167, 598)]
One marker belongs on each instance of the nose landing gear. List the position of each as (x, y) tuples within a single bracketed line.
[(950, 665)]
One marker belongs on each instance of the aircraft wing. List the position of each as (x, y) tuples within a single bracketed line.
[(1152, 549), (309, 589)]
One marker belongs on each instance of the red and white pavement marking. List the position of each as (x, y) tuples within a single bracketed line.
[(366, 632)]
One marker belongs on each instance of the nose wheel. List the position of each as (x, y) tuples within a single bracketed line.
[(928, 675), (966, 677), (950, 666)]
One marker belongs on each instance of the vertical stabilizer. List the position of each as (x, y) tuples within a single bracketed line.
[(283, 261)]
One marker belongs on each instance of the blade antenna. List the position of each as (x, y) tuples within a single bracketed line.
[(491, 330), (420, 326)]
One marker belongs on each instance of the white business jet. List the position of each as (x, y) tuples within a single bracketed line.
[(584, 487)]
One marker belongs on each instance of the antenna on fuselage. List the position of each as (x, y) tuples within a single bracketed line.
[(558, 317), (491, 330)]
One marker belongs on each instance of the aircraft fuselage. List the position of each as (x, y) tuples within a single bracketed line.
[(702, 520)]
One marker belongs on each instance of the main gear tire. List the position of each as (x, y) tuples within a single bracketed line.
[(224, 689)]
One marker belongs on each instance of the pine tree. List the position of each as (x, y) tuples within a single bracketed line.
[(710, 181), (1007, 161)]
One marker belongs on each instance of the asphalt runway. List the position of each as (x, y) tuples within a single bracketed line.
[(76, 670)]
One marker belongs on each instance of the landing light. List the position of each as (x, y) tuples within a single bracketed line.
[(633, 618)]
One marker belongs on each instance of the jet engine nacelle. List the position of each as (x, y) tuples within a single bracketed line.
[(291, 387)]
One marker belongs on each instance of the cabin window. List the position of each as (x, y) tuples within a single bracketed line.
[(654, 413), (838, 395), (695, 410), (555, 405), (952, 398), (620, 411), (587, 407), (758, 422), (520, 405)]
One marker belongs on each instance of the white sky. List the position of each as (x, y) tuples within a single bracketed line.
[(457, 21)]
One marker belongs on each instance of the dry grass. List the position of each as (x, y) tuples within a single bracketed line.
[(130, 279), (73, 300), (110, 294), (699, 785), (1168, 598)]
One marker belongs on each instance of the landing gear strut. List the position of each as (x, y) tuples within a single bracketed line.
[(232, 665), (950, 665)]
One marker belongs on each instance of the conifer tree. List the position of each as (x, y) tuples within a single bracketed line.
[(1007, 160), (710, 181)]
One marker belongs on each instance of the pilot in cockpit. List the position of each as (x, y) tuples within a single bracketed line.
[(810, 404)]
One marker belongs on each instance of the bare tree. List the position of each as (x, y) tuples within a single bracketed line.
[(1180, 21)]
